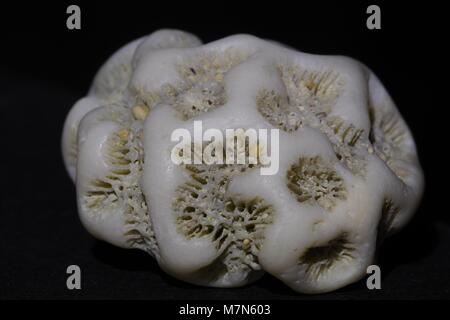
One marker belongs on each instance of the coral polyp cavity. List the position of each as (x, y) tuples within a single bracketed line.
[(311, 180), (348, 171)]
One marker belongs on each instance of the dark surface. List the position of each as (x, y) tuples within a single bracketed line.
[(45, 68)]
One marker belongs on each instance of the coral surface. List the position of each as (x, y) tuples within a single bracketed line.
[(348, 172)]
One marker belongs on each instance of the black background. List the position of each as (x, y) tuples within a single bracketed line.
[(45, 68)]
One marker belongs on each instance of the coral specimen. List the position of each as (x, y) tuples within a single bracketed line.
[(347, 171)]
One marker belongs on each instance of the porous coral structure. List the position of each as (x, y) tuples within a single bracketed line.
[(348, 169)]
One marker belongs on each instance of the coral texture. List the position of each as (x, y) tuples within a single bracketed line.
[(348, 171)]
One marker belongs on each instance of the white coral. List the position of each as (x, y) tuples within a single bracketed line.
[(348, 168)]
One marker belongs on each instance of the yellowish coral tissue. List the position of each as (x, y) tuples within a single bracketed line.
[(344, 168)]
